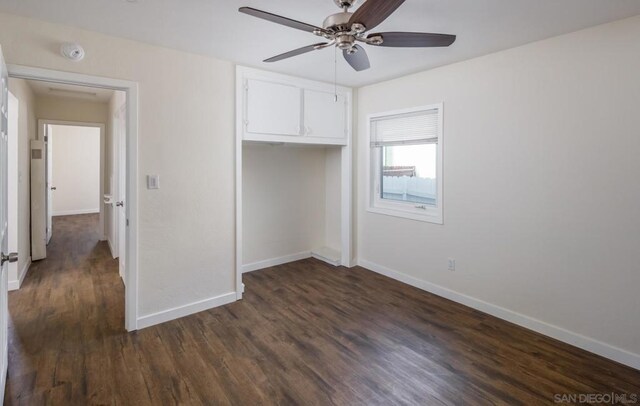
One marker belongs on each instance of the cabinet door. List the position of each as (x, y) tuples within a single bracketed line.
[(323, 115), (273, 108)]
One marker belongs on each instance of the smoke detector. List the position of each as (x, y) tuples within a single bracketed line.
[(72, 51)]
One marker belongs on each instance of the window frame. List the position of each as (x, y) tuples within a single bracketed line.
[(413, 211)]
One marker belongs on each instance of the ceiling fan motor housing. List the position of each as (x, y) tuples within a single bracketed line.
[(338, 22)]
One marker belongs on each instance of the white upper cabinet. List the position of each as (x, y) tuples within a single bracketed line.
[(324, 116), (273, 108), (280, 108)]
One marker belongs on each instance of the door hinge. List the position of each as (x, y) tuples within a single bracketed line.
[(46, 138), (127, 222)]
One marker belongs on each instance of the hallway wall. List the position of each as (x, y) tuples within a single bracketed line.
[(68, 109)]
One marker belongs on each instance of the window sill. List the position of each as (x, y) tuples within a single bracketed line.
[(435, 218)]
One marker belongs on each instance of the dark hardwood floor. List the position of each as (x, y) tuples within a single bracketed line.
[(306, 333)]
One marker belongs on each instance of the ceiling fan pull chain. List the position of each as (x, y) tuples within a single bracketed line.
[(335, 74)]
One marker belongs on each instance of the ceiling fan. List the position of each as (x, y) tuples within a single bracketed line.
[(345, 29)]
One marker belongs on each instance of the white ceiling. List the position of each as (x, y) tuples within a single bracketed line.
[(214, 27), (70, 91)]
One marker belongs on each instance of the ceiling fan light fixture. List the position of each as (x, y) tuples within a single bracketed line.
[(345, 41)]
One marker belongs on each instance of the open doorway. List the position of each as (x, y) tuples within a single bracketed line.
[(74, 175), (129, 92), (71, 177)]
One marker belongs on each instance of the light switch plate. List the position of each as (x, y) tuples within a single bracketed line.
[(153, 182)]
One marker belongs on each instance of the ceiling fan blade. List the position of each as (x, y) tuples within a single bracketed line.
[(413, 39), (358, 60), (373, 12), (295, 52), (274, 18)]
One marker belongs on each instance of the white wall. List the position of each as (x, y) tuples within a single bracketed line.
[(71, 109), (283, 194), (80, 110), (27, 130), (186, 135), (76, 169), (540, 184), (332, 196)]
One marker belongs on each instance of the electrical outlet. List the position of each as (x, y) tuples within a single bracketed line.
[(451, 264)]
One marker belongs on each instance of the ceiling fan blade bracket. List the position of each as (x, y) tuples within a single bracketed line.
[(374, 40), (298, 51), (324, 45), (357, 57), (374, 12)]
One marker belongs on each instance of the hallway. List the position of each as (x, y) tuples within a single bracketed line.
[(68, 313)]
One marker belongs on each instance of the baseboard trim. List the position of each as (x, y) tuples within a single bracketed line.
[(15, 285), (5, 370), (186, 310), (111, 248), (74, 212), (254, 266), (577, 340), (328, 255)]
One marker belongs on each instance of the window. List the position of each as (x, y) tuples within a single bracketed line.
[(406, 163)]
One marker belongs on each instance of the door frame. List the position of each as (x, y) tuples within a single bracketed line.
[(131, 90), (13, 205), (102, 126)]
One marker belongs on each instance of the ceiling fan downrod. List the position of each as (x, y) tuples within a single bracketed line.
[(344, 4)]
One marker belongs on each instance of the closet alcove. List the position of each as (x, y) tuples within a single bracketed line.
[(293, 171)]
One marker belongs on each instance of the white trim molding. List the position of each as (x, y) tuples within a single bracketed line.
[(75, 212), (255, 266), (15, 285), (111, 247), (186, 310), (577, 340), (42, 123), (373, 160)]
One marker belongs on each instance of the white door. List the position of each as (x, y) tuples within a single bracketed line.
[(48, 140), (121, 212), (38, 201), (6, 257)]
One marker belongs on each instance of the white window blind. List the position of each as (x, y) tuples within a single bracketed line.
[(421, 127)]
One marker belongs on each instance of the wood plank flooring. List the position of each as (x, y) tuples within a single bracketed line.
[(306, 333)]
